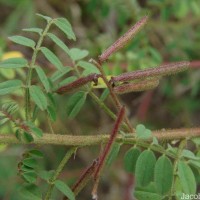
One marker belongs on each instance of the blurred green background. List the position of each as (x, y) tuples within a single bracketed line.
[(172, 34)]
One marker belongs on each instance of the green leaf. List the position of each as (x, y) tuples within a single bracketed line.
[(46, 175), (10, 86), (59, 74), (142, 132), (8, 73), (33, 30), (145, 168), (59, 42), (148, 192), (23, 41), (163, 174), (52, 58), (75, 103), (30, 177), (43, 78), (26, 169), (113, 153), (189, 154), (78, 54), (52, 113), (187, 178), (27, 137), (36, 153), (142, 195), (3, 121), (30, 162), (67, 81), (130, 159), (35, 130), (12, 63), (65, 26), (44, 17), (89, 68), (38, 97), (195, 164), (65, 189), (30, 192)]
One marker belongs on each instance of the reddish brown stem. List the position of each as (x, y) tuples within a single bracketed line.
[(78, 83), (162, 70), (123, 40), (107, 149)]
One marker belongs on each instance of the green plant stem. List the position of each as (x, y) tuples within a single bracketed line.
[(113, 95), (58, 171), (175, 166), (30, 71)]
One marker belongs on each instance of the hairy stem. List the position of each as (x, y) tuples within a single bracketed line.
[(70, 140)]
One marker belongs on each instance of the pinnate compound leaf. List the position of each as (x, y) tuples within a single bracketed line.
[(113, 153), (43, 78), (12, 63), (10, 86), (64, 25), (75, 103), (163, 174), (33, 30), (38, 97), (130, 159), (52, 58), (59, 42), (187, 178), (78, 54), (22, 41), (144, 169), (65, 189), (142, 132)]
